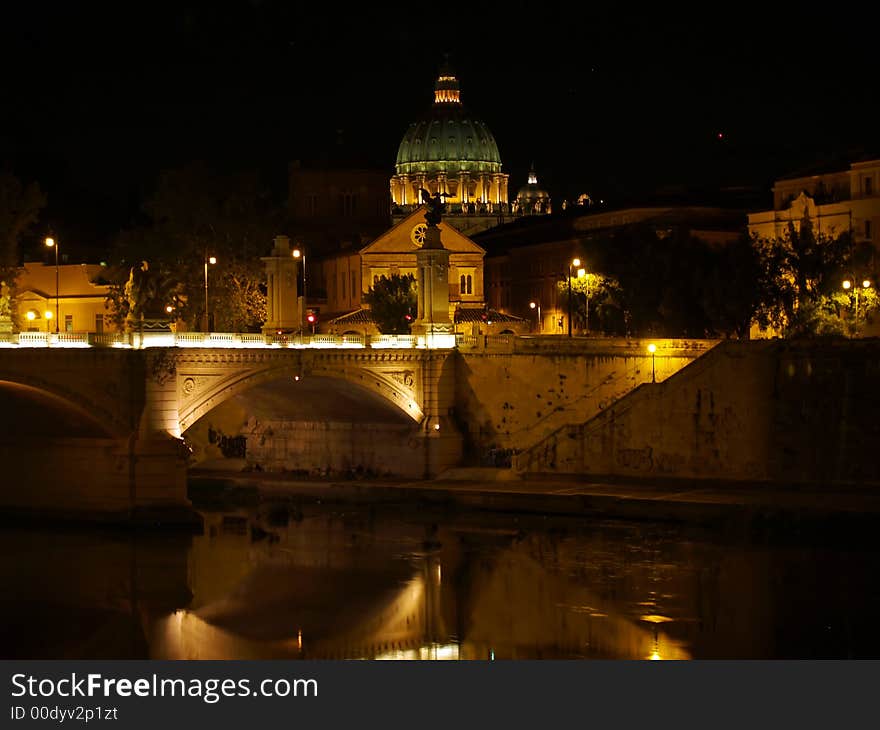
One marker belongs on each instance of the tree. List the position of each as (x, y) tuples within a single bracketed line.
[(393, 303), (20, 206), (801, 278), (595, 297), (193, 213)]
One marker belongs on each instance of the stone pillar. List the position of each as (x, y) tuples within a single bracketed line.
[(443, 444), (284, 308), (432, 324)]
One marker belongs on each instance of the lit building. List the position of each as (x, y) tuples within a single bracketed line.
[(345, 278), (836, 202), (450, 151), (81, 297)]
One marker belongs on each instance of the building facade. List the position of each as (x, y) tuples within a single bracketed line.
[(332, 207), (836, 202), (80, 299), (346, 278)]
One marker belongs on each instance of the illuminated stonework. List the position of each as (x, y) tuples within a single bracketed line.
[(450, 151)]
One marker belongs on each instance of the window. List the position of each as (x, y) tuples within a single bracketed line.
[(462, 284), (869, 186), (868, 230), (347, 204), (469, 284), (68, 323), (99, 323)]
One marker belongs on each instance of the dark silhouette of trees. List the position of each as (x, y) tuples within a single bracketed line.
[(194, 213)]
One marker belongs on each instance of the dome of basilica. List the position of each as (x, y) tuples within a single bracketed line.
[(447, 139)]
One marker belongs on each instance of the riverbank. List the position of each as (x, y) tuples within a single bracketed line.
[(502, 490)]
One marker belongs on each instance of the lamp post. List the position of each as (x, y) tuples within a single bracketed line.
[(575, 263), (537, 305), (850, 284), (48, 315), (652, 348), (208, 260), (50, 242), (299, 253)]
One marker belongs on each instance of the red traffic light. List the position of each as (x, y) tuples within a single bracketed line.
[(311, 318), (408, 317)]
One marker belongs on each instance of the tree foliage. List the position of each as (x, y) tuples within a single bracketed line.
[(392, 299), (20, 206), (195, 213), (801, 282)]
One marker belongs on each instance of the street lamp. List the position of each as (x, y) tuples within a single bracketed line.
[(48, 315), (299, 253), (575, 264), (50, 242), (652, 348), (847, 285), (537, 305), (208, 260)]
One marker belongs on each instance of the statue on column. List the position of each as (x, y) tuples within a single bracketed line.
[(436, 206)]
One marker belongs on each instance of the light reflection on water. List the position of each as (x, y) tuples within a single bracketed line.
[(384, 583)]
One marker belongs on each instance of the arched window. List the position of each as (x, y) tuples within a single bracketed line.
[(462, 285), (469, 285)]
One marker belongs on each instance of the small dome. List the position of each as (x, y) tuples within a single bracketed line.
[(531, 195), (447, 139)]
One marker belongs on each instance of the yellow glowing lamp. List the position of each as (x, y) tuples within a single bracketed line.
[(652, 348), (866, 284), (582, 273), (297, 253), (212, 260), (31, 315), (50, 241), (47, 314), (532, 305), (576, 263), (847, 283), (169, 309)]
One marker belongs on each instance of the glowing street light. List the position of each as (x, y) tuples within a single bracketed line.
[(849, 284), (50, 242), (48, 315), (575, 264), (537, 305), (208, 260), (299, 253), (652, 348)]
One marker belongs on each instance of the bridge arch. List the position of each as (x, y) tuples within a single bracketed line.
[(397, 390), (69, 406), (38, 408)]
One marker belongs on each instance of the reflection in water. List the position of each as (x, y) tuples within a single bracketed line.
[(381, 584)]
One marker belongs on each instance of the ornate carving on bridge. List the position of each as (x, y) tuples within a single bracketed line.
[(405, 377)]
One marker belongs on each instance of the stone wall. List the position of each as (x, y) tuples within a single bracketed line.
[(511, 400), (752, 411), (334, 448)]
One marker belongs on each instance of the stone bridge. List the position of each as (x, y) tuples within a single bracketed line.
[(97, 427)]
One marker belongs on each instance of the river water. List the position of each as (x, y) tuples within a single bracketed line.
[(294, 580)]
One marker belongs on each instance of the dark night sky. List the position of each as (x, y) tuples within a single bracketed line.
[(98, 97)]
